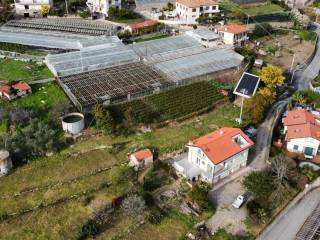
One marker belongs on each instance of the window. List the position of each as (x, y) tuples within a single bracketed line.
[(295, 147), (198, 161), (194, 9), (214, 7), (26, 7)]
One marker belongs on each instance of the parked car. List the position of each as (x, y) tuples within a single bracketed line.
[(239, 201)]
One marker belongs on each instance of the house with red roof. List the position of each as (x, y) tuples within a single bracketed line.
[(141, 159), (215, 155), (22, 88), (146, 26), (15, 90), (302, 129), (234, 34), (189, 11), (6, 92)]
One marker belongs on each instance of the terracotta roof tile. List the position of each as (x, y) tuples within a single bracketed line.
[(5, 89), (197, 3), (306, 130), (221, 144), (299, 116), (143, 154), (140, 25), (234, 28), (21, 86)]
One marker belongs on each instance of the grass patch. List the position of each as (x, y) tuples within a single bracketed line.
[(261, 9), (24, 49), (12, 70), (308, 35), (43, 95)]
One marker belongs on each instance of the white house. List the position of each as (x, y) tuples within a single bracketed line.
[(233, 34), (215, 155), (302, 130), (5, 162), (189, 10), (31, 8), (141, 159), (101, 7)]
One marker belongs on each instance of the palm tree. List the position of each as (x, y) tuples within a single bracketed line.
[(299, 98)]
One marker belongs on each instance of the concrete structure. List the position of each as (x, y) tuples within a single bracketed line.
[(5, 162), (141, 159), (205, 37), (298, 3), (302, 130), (233, 34), (215, 155), (101, 7), (73, 123), (190, 10), (31, 8)]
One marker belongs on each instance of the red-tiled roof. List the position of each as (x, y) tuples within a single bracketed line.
[(234, 28), (137, 26), (221, 145), (5, 89), (299, 116), (143, 154), (21, 86), (197, 3), (306, 130)]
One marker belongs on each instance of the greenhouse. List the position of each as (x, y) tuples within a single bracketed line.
[(55, 41), (72, 25), (90, 59), (113, 85)]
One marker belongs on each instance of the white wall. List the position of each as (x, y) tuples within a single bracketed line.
[(230, 38), (216, 172), (34, 7), (301, 144), (189, 15), (102, 6)]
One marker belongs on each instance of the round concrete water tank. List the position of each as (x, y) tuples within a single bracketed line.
[(5, 162), (73, 123)]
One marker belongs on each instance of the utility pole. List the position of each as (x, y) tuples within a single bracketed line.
[(66, 1), (291, 68)]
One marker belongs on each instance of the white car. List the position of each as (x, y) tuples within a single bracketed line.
[(239, 201)]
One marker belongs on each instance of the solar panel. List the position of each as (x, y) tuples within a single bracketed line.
[(247, 85)]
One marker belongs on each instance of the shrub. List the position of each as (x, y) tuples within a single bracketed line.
[(148, 198), (133, 205), (199, 195), (151, 183), (310, 173), (90, 229), (262, 29)]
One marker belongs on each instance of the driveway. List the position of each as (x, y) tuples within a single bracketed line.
[(226, 215)]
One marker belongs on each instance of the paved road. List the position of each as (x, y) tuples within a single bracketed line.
[(264, 135), (289, 222), (304, 76)]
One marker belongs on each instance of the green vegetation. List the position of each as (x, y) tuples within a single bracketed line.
[(222, 234), (199, 195), (45, 95), (11, 70), (308, 35), (12, 47), (151, 38), (123, 15), (271, 189), (262, 9), (311, 97), (262, 29), (173, 104)]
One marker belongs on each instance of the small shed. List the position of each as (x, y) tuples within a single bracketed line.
[(5, 162), (22, 88), (258, 63), (141, 159)]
